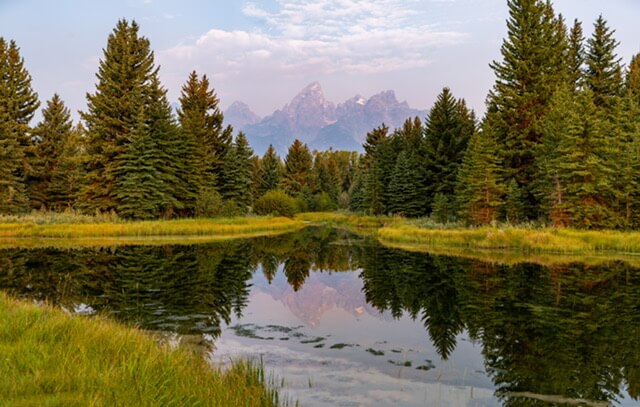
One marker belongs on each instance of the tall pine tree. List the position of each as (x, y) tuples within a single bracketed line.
[(603, 75), (297, 169), (18, 103), (448, 129), (202, 122), (51, 137), (236, 173), (271, 171), (114, 112), (479, 188), (532, 66)]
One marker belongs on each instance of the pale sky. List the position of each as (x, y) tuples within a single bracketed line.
[(264, 52)]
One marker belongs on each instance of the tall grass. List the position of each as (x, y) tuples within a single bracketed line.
[(569, 241), (343, 219), (48, 358), (182, 227)]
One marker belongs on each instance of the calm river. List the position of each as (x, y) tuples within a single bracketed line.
[(343, 321)]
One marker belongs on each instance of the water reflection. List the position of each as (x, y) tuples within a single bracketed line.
[(549, 335)]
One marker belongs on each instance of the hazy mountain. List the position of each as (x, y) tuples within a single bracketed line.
[(239, 115), (320, 123)]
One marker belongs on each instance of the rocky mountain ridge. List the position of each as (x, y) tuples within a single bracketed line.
[(319, 123)]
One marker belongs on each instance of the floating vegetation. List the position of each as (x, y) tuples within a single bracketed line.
[(315, 340), (249, 331), (341, 345), (375, 352), (320, 345), (406, 363)]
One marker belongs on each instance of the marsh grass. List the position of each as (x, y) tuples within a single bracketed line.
[(344, 219), (53, 359), (562, 241), (159, 228)]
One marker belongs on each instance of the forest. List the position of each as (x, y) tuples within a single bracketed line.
[(558, 144)]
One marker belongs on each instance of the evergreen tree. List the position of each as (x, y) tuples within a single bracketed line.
[(170, 159), (479, 189), (139, 185), (448, 129), (202, 122), (236, 173), (68, 175), (603, 75), (297, 169), (532, 67), (576, 56), (18, 103), (379, 162), (327, 175), (405, 194), (583, 168), (51, 137), (114, 112), (632, 84), (271, 171)]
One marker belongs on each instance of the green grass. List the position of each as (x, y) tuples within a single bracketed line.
[(48, 358), (219, 227), (565, 241)]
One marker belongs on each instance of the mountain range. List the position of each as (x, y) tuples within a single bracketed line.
[(319, 123)]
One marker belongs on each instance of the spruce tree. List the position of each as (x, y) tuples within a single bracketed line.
[(632, 83), (114, 112), (576, 56), (375, 169), (297, 169), (271, 171), (139, 185), (68, 175), (405, 193), (479, 187), (448, 129), (171, 155), (202, 122), (603, 75), (18, 103), (236, 173), (532, 66), (51, 138)]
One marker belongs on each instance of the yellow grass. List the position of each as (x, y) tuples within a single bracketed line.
[(563, 241), (225, 227)]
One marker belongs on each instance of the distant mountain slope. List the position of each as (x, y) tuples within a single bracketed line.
[(239, 115), (320, 123)]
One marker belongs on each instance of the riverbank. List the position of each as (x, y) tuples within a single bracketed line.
[(221, 227), (54, 359), (562, 241), (415, 235)]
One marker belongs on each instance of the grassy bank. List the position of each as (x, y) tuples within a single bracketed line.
[(356, 222), (224, 227), (563, 241), (50, 358)]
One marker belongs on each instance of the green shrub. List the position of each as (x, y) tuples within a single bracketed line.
[(210, 204), (323, 203), (275, 202)]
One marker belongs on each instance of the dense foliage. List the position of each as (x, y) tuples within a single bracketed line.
[(558, 144)]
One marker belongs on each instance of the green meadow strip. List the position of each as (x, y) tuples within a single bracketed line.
[(181, 227)]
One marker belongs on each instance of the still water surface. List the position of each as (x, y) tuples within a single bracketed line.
[(344, 321)]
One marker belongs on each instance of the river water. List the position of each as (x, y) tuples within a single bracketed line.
[(340, 320)]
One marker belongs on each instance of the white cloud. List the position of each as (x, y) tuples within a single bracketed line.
[(321, 37)]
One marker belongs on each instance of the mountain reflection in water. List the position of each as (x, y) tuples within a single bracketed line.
[(545, 336)]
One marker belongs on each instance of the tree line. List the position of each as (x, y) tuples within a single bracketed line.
[(558, 143)]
